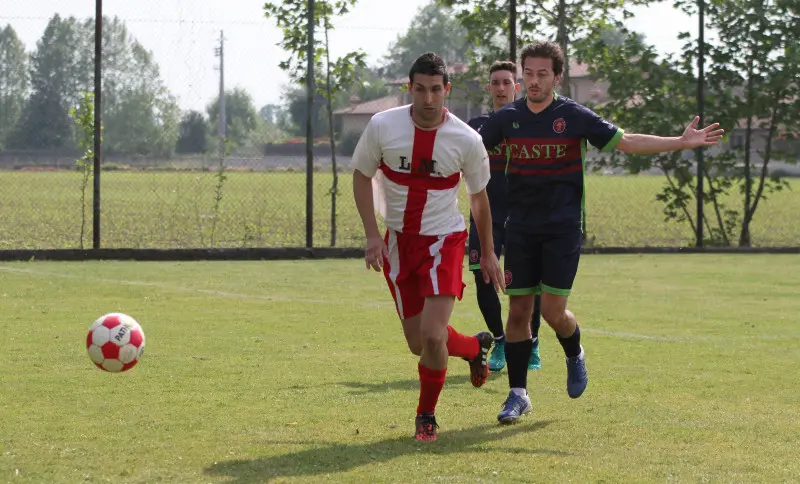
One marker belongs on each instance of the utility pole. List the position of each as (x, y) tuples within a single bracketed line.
[(222, 131)]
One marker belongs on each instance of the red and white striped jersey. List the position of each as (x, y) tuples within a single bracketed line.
[(417, 171)]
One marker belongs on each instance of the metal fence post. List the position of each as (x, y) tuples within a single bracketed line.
[(700, 107), (98, 122), (311, 97)]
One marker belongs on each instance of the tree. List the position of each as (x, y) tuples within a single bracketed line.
[(240, 116), (648, 94), (269, 113), (433, 29), (193, 137), (756, 62), (487, 24), (14, 80), (339, 74), (295, 114), (59, 73), (83, 116), (141, 116), (750, 83), (368, 84)]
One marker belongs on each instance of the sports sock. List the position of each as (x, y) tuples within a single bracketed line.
[(517, 356), (431, 383), (571, 344), (519, 391), (536, 319), (461, 345), (489, 304)]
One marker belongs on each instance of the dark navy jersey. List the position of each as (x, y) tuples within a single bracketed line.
[(546, 155), (497, 188)]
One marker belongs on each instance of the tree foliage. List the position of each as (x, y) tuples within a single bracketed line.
[(751, 89), (335, 75), (434, 28), (140, 115), (14, 80)]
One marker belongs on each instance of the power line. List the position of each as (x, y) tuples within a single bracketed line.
[(216, 22)]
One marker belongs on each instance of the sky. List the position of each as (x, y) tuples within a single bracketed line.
[(182, 34)]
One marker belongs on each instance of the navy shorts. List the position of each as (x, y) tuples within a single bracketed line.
[(474, 248), (536, 263)]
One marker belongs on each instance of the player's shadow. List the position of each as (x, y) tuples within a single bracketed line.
[(410, 384), (331, 458), (362, 388)]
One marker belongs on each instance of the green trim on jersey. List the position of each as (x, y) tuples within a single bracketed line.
[(555, 291), (474, 267), (614, 141)]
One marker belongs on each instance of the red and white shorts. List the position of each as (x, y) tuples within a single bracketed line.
[(423, 265)]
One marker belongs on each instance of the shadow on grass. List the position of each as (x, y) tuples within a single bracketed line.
[(362, 388), (331, 458)]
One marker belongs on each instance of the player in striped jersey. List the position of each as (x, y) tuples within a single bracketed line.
[(546, 137), (502, 87), (409, 162)]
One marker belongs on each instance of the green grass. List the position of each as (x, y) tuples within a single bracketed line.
[(175, 209), (298, 372)]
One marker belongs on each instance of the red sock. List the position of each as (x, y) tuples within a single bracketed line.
[(461, 345), (430, 385)]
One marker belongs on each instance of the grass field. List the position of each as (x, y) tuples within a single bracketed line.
[(298, 372), (176, 209)]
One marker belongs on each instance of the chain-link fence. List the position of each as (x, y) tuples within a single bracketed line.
[(167, 181)]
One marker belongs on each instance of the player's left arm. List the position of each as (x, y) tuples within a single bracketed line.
[(646, 144), (477, 175), (606, 137)]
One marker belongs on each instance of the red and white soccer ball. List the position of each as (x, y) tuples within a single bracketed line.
[(115, 342)]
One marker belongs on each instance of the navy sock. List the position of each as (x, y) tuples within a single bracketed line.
[(517, 356), (571, 344), (489, 304)]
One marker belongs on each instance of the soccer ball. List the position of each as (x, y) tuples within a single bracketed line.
[(115, 342)]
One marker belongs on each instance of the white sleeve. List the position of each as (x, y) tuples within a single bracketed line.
[(476, 166), (367, 155)]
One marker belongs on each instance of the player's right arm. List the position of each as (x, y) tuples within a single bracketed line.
[(366, 159)]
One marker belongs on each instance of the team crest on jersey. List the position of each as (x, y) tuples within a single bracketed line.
[(508, 278), (559, 125), (473, 256), (515, 125)]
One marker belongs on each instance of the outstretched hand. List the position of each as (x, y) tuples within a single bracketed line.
[(695, 138)]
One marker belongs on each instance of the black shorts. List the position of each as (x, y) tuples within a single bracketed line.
[(536, 263), (474, 249)]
